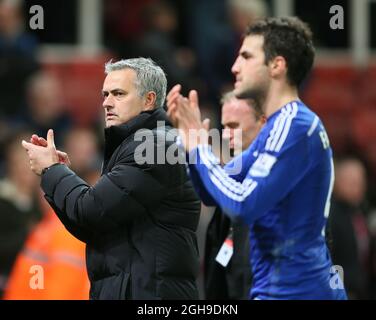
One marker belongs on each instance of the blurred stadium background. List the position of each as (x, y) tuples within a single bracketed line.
[(53, 77)]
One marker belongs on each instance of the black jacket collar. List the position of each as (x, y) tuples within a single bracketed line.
[(115, 135)]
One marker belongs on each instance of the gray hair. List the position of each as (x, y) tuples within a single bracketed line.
[(149, 76), (230, 96), (227, 97)]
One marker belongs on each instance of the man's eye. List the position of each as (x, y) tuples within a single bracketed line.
[(246, 55)]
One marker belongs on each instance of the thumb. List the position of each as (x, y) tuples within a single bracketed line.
[(193, 98), (26, 145), (50, 138), (206, 124)]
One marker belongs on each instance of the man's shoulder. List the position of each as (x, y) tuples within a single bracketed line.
[(156, 135), (291, 124), (303, 120), (152, 149)]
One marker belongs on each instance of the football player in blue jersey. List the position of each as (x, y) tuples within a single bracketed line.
[(283, 182)]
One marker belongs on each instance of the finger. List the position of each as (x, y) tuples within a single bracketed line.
[(35, 140), (173, 95), (174, 98), (26, 145), (175, 88), (193, 98), (32, 140), (171, 113), (173, 106), (50, 138), (42, 142), (179, 119), (206, 124), (171, 110), (62, 155), (183, 103), (62, 159)]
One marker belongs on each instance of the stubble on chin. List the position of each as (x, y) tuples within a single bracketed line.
[(244, 94), (257, 96)]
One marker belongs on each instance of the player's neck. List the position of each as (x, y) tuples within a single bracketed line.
[(278, 96)]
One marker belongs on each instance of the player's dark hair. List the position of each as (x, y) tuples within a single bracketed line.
[(290, 38)]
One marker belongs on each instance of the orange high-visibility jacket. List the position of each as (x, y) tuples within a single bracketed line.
[(51, 265)]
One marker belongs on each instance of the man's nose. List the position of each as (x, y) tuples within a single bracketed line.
[(226, 134), (235, 67), (108, 102)]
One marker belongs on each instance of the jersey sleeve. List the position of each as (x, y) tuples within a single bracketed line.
[(273, 174), (237, 167)]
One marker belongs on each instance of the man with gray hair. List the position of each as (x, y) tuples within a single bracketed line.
[(138, 220)]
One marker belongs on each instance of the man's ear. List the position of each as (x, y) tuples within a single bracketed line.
[(278, 67), (150, 100)]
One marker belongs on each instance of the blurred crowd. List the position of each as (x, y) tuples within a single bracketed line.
[(196, 43)]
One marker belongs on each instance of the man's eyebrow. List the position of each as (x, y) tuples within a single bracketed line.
[(245, 53), (113, 91), (231, 123)]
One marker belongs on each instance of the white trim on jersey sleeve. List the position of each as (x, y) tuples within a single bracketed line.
[(261, 168), (281, 127)]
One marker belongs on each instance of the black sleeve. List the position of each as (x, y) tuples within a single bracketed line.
[(119, 196)]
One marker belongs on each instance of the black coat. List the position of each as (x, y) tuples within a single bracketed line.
[(233, 281), (138, 221)]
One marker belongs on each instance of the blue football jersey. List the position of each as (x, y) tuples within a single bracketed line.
[(281, 187)]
